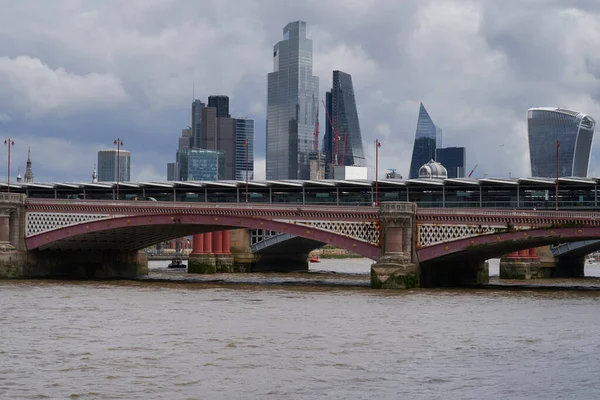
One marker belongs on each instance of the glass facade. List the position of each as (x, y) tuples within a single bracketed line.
[(292, 104), (453, 159), (425, 142), (574, 132), (197, 107), (244, 131), (201, 165), (344, 116), (107, 165), (328, 138), (221, 103)]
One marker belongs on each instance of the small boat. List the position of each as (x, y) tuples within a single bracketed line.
[(315, 259), (176, 263)]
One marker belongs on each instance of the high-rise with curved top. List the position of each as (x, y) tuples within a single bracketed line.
[(292, 104), (573, 131)]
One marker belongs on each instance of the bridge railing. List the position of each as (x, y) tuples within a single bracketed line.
[(509, 213)]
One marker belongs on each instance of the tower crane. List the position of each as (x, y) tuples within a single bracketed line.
[(473, 170), (316, 108), (336, 135)]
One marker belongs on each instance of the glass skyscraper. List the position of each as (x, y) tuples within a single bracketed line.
[(197, 107), (453, 159), (244, 131), (292, 104), (107, 165), (573, 130), (341, 105), (425, 142), (201, 165)]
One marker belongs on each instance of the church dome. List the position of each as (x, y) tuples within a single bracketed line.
[(433, 169)]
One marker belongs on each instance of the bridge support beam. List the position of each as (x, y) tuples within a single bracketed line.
[(522, 265), (570, 267), (395, 268), (211, 254), (85, 264)]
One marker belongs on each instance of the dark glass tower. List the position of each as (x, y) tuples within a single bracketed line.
[(197, 107), (221, 103), (425, 142), (341, 105), (292, 101), (573, 130), (453, 159)]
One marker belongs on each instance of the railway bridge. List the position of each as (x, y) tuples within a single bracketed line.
[(410, 246)]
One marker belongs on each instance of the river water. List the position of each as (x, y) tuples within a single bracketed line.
[(311, 336)]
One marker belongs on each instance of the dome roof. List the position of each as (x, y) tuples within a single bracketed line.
[(433, 169)]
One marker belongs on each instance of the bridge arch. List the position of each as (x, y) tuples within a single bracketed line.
[(499, 244), (131, 233)]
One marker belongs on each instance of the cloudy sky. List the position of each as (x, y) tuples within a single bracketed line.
[(77, 74)]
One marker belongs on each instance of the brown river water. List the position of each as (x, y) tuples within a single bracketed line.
[(296, 336)]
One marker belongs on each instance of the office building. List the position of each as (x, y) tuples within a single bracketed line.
[(244, 132), (221, 103), (173, 170), (107, 165), (341, 106), (425, 142), (226, 142), (197, 107), (201, 165), (292, 104), (453, 159), (573, 131)]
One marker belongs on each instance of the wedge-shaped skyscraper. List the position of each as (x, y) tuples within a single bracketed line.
[(341, 105), (573, 130), (292, 104), (426, 141)]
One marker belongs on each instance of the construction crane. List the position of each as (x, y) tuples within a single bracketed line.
[(316, 108), (336, 135), (473, 170)]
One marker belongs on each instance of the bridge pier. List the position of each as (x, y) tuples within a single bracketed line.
[(395, 269), (467, 272), (211, 254)]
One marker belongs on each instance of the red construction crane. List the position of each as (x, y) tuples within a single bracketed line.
[(316, 126), (344, 149), (336, 135), (473, 170)]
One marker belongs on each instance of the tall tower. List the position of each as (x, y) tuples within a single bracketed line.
[(197, 107), (425, 142), (292, 102), (341, 105), (573, 130), (28, 170), (221, 103)]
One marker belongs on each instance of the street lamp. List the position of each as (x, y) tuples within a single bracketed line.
[(377, 146), (119, 143), (246, 146), (556, 191), (9, 142)]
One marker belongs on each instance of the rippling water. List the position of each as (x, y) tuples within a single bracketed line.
[(190, 340)]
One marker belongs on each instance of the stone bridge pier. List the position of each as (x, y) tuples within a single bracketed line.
[(395, 268)]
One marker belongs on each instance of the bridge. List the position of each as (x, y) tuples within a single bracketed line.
[(410, 246)]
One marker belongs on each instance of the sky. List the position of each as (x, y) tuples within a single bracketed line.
[(77, 74)]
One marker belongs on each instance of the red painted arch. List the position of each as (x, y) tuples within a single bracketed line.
[(45, 239), (502, 243)]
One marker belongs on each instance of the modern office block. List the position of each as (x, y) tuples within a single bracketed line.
[(221, 103), (244, 132), (226, 142), (571, 129), (425, 142), (341, 106), (201, 165), (173, 171), (197, 107), (453, 159), (292, 104), (107, 165)]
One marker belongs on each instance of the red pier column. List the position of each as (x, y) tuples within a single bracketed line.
[(208, 243), (218, 242), (198, 243), (524, 253), (226, 246)]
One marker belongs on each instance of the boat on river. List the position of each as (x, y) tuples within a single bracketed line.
[(176, 262), (315, 259)]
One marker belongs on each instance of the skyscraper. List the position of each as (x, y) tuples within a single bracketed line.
[(197, 107), (573, 130), (221, 103), (292, 101), (244, 131), (425, 142), (341, 105), (454, 159), (202, 165), (107, 165)]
